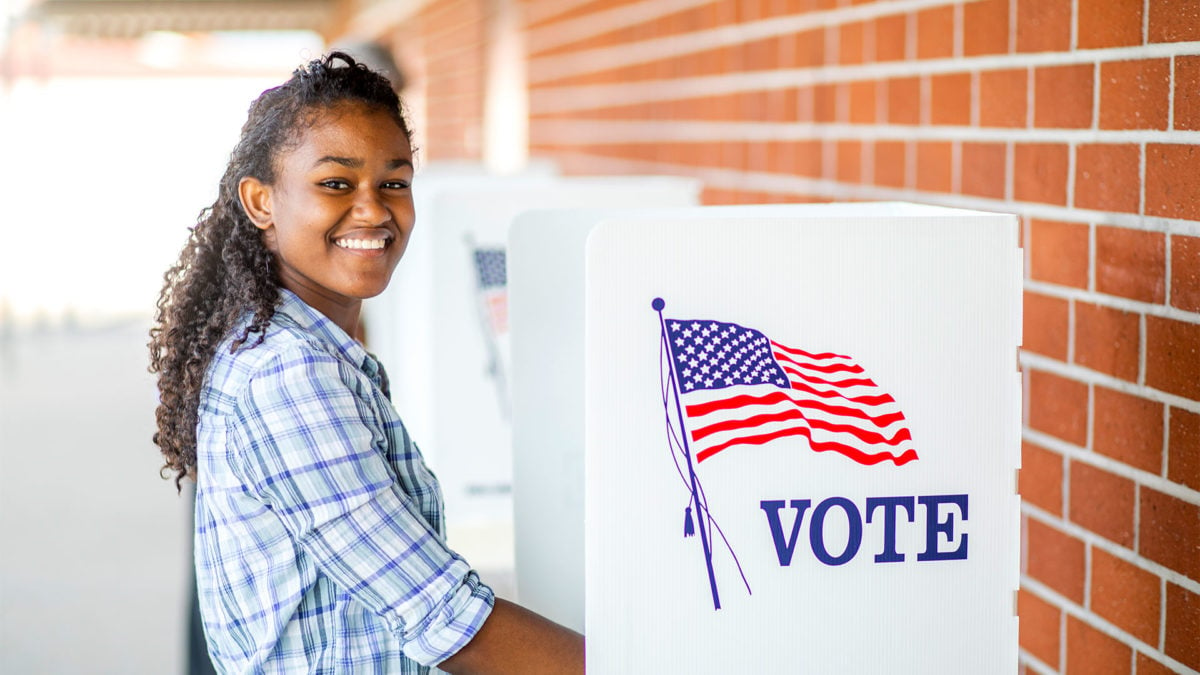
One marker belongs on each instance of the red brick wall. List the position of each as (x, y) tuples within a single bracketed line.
[(441, 50), (1081, 116)]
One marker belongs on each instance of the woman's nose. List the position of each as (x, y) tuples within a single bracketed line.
[(370, 209)]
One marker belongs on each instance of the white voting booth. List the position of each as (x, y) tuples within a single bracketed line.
[(796, 431), (441, 326)]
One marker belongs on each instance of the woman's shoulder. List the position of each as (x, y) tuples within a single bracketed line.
[(283, 342)]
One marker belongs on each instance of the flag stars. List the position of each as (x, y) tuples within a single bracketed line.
[(713, 354)]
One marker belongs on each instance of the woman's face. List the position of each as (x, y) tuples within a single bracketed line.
[(340, 212)]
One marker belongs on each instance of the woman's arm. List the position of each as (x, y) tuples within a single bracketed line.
[(516, 640)]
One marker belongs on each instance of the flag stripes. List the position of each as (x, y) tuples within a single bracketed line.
[(740, 388)]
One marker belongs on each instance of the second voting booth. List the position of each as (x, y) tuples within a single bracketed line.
[(442, 325), (770, 439)]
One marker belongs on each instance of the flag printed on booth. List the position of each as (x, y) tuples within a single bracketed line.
[(492, 281), (740, 388)]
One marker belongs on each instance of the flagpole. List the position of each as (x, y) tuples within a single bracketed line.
[(701, 512)]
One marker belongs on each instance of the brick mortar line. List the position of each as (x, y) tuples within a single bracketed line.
[(1030, 96), (564, 32), (1145, 21), (545, 9), (1062, 634), (832, 45), (1027, 659), (1166, 446), (959, 29), (609, 132), (867, 161), (1071, 330), (976, 100), (955, 167), (1114, 302), (910, 30), (1071, 163), (1010, 158), (682, 44), (1137, 516), (1142, 350), (782, 78), (440, 10), (1091, 261), (1167, 270), (1171, 94), (1101, 624), (1138, 476), (1142, 178), (1090, 434), (1087, 578), (1013, 20), (1162, 614), (456, 52), (790, 184), (1074, 25), (870, 38)]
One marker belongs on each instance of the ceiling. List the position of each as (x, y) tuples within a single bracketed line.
[(134, 18)]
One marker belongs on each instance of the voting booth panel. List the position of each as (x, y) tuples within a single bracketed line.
[(802, 437), (546, 283), (442, 326)]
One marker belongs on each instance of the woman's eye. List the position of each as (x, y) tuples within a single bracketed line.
[(334, 184), (395, 185)]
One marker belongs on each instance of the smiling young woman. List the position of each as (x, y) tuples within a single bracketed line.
[(319, 538), (340, 212)]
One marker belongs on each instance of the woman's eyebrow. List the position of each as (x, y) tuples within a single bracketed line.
[(348, 162), (355, 163)]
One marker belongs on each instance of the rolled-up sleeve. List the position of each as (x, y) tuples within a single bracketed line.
[(312, 450)]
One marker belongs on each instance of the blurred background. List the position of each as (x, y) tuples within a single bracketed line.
[(1080, 116)]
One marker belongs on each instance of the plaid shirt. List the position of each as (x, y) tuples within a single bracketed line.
[(319, 544)]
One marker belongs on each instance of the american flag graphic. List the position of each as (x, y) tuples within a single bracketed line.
[(739, 387), (492, 279)]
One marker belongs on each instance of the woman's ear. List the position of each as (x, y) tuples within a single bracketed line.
[(256, 202)]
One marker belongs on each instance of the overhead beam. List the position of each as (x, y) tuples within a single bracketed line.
[(132, 18)]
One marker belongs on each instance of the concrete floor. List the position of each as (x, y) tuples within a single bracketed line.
[(93, 544)]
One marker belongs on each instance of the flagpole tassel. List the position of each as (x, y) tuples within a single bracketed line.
[(689, 528)]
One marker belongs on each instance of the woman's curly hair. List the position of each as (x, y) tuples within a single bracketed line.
[(225, 271)]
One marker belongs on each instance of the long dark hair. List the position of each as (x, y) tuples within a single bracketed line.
[(225, 271)]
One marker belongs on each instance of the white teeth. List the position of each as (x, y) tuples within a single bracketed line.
[(362, 243)]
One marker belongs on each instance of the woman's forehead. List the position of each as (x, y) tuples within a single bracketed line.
[(349, 127)]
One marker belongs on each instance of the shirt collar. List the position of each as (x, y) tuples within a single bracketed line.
[(311, 320)]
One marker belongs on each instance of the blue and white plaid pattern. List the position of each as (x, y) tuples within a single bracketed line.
[(319, 544)]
